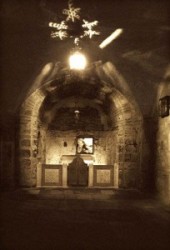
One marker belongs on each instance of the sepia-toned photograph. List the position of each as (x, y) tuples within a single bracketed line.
[(84, 124)]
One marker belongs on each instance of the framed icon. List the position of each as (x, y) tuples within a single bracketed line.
[(85, 145)]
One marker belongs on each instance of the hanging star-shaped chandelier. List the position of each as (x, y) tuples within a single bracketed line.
[(71, 13), (73, 26)]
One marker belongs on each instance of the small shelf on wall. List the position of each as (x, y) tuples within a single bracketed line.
[(164, 106), (65, 159)]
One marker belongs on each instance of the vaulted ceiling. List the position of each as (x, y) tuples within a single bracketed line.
[(140, 54)]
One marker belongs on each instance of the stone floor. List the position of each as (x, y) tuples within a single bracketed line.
[(83, 219)]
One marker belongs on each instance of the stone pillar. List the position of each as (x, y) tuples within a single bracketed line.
[(116, 175), (64, 175), (28, 135), (169, 190), (90, 182), (39, 174)]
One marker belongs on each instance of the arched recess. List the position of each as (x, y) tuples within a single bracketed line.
[(125, 133)]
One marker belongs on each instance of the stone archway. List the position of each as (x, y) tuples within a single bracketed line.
[(127, 122), (126, 131), (28, 138)]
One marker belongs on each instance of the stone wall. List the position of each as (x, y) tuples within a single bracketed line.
[(121, 148), (7, 156), (163, 159), (162, 151), (128, 123), (129, 155), (60, 143), (148, 149), (28, 139)]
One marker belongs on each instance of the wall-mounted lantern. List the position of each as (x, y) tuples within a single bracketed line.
[(164, 105)]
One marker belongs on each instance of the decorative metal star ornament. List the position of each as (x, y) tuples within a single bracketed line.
[(73, 25), (89, 25), (91, 33), (59, 26), (72, 13), (61, 34)]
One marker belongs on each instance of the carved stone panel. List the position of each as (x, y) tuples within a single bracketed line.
[(51, 175), (103, 175)]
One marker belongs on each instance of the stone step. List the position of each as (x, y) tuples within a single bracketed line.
[(76, 193)]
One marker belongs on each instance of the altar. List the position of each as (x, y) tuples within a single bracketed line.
[(76, 170)]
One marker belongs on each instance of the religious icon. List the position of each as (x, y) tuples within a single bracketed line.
[(84, 145)]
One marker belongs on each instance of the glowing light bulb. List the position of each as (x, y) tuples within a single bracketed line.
[(77, 61)]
